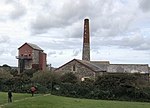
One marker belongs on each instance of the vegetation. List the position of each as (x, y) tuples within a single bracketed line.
[(110, 87), (51, 101), (129, 87), (16, 96)]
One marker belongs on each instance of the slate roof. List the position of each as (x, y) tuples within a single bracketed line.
[(96, 66), (103, 66), (34, 46)]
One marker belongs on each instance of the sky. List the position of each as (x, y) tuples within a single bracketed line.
[(119, 29)]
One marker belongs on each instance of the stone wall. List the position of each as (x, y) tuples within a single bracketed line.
[(35, 57), (80, 70)]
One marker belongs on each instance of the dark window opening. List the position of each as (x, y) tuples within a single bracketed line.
[(25, 55), (74, 68)]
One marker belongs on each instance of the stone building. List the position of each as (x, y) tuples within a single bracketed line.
[(31, 56), (86, 68)]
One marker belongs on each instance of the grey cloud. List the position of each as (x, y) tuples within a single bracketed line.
[(70, 12), (133, 41), (144, 46), (10, 1), (136, 42), (75, 30), (18, 11), (51, 53), (111, 25), (68, 44), (61, 53), (6, 51), (13, 52), (144, 5), (107, 20), (76, 52), (2, 51), (59, 43), (54, 53), (42, 23), (4, 39)]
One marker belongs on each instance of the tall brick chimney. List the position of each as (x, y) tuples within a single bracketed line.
[(86, 41)]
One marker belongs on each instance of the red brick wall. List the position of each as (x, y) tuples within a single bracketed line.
[(42, 61), (29, 52), (25, 50)]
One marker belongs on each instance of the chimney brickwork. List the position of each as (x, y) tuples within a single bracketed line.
[(86, 41)]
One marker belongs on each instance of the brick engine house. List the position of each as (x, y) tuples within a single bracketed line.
[(31, 56)]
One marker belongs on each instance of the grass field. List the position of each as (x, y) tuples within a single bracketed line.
[(51, 101)]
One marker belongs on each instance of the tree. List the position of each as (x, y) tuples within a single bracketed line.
[(45, 80), (29, 72), (7, 67), (69, 78), (14, 72), (4, 74)]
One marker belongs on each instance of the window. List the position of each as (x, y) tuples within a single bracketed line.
[(25, 55), (29, 54), (21, 54), (74, 68)]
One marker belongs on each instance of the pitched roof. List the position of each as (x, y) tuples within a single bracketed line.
[(100, 62), (91, 65), (32, 46), (103, 66), (87, 64)]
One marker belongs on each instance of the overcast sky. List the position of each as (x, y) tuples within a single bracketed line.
[(119, 29)]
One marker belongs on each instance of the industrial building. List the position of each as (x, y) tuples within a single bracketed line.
[(86, 68), (31, 56)]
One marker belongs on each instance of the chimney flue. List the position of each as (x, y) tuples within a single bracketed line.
[(86, 41)]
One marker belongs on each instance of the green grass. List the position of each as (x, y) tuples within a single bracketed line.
[(51, 101), (16, 96)]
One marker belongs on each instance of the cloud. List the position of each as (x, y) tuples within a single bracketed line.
[(44, 22), (4, 39), (18, 11), (64, 16), (144, 5), (11, 10), (136, 42), (76, 52), (51, 53), (75, 30), (133, 41), (110, 23)]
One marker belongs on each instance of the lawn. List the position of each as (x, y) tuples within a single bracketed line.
[(51, 101), (16, 96)]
